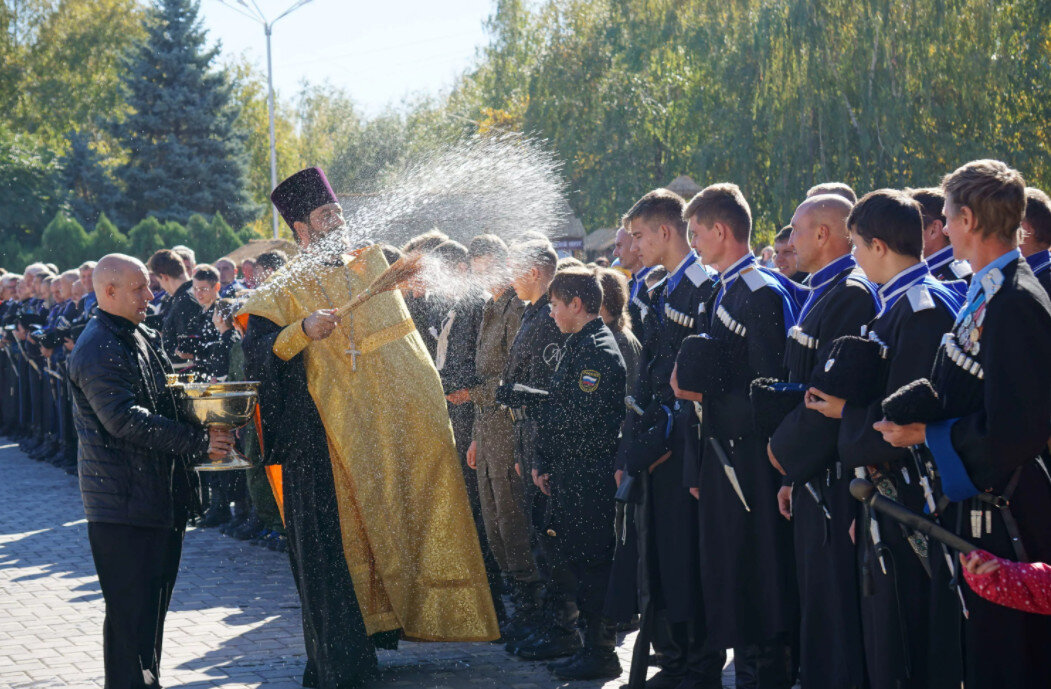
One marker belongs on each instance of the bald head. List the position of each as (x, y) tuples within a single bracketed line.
[(122, 286), (819, 231)]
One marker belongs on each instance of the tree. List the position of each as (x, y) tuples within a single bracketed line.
[(146, 237), (107, 239), (183, 138), (91, 191), (64, 242), (29, 187)]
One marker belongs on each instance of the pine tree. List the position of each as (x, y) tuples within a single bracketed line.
[(146, 237), (91, 190), (64, 242), (183, 139), (107, 239)]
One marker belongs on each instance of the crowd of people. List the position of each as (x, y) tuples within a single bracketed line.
[(667, 442)]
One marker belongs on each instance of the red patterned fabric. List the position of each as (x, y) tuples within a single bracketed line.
[(1020, 585)]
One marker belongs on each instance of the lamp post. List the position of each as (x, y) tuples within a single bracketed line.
[(251, 10)]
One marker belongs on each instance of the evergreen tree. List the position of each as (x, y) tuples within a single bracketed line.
[(107, 239), (64, 243), (91, 190), (183, 137), (146, 237)]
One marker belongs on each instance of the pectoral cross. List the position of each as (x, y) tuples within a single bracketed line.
[(354, 353)]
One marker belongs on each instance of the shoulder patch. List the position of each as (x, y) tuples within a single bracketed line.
[(960, 269), (754, 278), (589, 380), (697, 274), (992, 282), (920, 297)]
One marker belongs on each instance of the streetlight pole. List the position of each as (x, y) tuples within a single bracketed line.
[(255, 14)]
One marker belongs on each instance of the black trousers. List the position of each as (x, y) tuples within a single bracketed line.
[(137, 567)]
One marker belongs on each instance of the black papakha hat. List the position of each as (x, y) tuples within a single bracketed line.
[(301, 193), (917, 402), (772, 400), (705, 365), (853, 371), (31, 321)]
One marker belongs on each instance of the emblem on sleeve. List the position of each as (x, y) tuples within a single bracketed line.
[(589, 380)]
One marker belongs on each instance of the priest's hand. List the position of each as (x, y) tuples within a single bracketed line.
[(220, 442), (902, 436), (320, 324), (825, 404)]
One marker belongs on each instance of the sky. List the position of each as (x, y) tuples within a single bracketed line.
[(378, 51)]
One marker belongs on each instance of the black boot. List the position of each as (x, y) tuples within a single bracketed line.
[(558, 640), (218, 511), (598, 659), (527, 597)]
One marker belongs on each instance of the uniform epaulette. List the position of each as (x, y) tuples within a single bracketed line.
[(960, 269), (992, 282), (920, 297), (754, 278), (697, 274)]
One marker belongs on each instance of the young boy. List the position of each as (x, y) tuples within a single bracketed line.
[(578, 433)]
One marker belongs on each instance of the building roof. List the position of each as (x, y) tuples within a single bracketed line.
[(254, 247), (684, 186), (600, 240)]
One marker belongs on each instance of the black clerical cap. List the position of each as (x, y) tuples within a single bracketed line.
[(301, 193), (772, 400), (853, 371)]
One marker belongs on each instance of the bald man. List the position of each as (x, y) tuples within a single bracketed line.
[(136, 478), (816, 496), (229, 285)]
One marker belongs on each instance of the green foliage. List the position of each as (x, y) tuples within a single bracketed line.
[(65, 243), (183, 138), (29, 187), (107, 239), (89, 188), (146, 237)]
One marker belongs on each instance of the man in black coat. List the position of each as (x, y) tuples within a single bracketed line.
[(990, 444), (135, 480), (746, 561), (816, 496), (179, 309)]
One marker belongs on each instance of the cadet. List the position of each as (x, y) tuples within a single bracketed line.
[(638, 293), (937, 251), (746, 561), (915, 310), (653, 448), (804, 446), (1036, 235), (994, 385), (578, 431), (531, 362)]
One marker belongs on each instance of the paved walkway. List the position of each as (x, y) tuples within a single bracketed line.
[(234, 621)]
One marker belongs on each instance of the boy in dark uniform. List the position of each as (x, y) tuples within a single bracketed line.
[(653, 449), (746, 560), (638, 293), (578, 430), (1036, 235), (915, 309), (994, 389), (937, 251), (803, 447)]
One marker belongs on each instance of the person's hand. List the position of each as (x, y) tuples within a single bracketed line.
[(518, 468), (773, 460), (69, 344), (824, 404), (543, 482), (220, 442), (696, 493), (679, 392), (320, 324), (976, 564), (850, 531), (472, 455), (902, 436), (183, 355), (784, 502), (47, 352), (618, 476), (459, 397)]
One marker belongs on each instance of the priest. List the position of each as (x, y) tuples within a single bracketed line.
[(380, 534)]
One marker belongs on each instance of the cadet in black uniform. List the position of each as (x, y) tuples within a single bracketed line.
[(994, 389), (638, 293), (915, 310), (653, 448), (937, 251), (531, 362), (578, 433), (1036, 235), (804, 447), (746, 559)]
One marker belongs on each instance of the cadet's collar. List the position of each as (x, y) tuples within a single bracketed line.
[(675, 277), (590, 328), (940, 258), (641, 273), (728, 276), (1040, 261), (891, 291), (821, 278), (990, 277)]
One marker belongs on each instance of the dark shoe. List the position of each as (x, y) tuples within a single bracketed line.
[(664, 680), (527, 599), (259, 537), (235, 522), (214, 517), (563, 662), (631, 625), (249, 528), (557, 642), (596, 664), (276, 542)]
